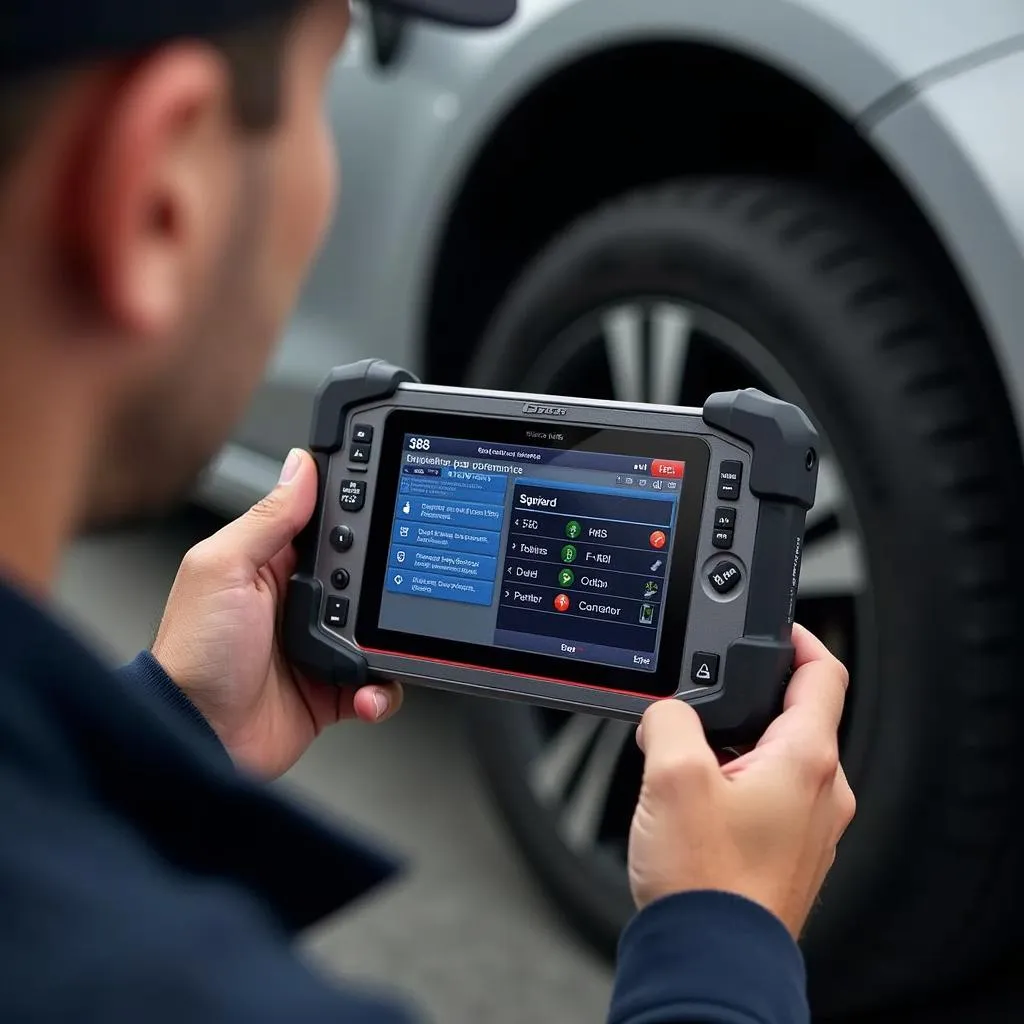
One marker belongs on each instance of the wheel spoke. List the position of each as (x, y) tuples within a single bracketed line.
[(832, 563), (585, 810), (832, 567), (575, 774), (670, 345), (552, 772), (624, 344), (642, 372), (830, 498)]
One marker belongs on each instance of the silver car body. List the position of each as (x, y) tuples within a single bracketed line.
[(934, 85)]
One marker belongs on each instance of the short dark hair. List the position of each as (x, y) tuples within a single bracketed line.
[(254, 55)]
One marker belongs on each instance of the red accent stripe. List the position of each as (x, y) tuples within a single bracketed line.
[(518, 675)]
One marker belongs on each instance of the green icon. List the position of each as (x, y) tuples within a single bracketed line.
[(566, 578), (646, 614), (573, 529), (650, 589), (568, 553)]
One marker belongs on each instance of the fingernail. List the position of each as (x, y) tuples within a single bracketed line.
[(380, 702), (290, 467)]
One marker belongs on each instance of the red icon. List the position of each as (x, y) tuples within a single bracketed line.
[(657, 539), (562, 603), (667, 469)]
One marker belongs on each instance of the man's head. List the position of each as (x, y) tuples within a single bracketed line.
[(166, 174), (158, 212)]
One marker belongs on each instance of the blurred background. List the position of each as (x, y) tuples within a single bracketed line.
[(649, 202)]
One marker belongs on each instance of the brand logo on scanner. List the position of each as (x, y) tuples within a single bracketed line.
[(533, 409)]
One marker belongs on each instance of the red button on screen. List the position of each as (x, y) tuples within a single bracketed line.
[(665, 468)]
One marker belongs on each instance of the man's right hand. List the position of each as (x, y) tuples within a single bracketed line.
[(764, 826)]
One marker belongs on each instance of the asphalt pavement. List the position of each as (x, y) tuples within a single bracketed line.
[(465, 934)]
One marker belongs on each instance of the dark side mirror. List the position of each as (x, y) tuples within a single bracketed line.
[(388, 31)]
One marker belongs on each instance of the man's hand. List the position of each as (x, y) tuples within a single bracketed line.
[(218, 641), (764, 826)]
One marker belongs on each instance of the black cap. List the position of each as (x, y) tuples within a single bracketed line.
[(37, 34), (469, 13)]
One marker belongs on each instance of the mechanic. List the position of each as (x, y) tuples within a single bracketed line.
[(166, 173)]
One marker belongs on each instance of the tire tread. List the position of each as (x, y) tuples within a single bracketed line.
[(942, 375)]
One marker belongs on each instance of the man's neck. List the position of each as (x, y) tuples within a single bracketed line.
[(44, 458)]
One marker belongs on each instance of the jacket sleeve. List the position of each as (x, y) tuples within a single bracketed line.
[(144, 672), (96, 928), (708, 958)]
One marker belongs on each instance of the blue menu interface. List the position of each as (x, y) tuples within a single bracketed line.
[(555, 551)]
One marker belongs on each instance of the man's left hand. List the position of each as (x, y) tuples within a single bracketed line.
[(218, 637)]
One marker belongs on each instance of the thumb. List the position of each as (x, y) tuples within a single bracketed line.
[(274, 521), (671, 735)]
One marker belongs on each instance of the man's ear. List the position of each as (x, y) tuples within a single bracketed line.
[(154, 206)]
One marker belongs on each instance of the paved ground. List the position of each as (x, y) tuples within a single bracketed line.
[(465, 933)]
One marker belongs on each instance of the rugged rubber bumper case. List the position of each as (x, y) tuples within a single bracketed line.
[(773, 442)]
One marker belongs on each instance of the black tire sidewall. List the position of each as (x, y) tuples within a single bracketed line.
[(900, 722)]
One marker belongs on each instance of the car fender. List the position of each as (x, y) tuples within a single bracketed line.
[(957, 145), (852, 56)]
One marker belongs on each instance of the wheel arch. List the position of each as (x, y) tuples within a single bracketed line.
[(548, 176)]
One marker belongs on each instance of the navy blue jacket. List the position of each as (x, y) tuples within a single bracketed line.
[(144, 880)]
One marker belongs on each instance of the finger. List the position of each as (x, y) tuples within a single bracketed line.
[(818, 690), (671, 730), (808, 647), (377, 703), (803, 741), (274, 521), (812, 707), (818, 686)]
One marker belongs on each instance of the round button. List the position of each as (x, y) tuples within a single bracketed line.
[(341, 538), (340, 579), (724, 577), (658, 540)]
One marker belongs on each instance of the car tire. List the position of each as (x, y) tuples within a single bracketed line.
[(895, 371)]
